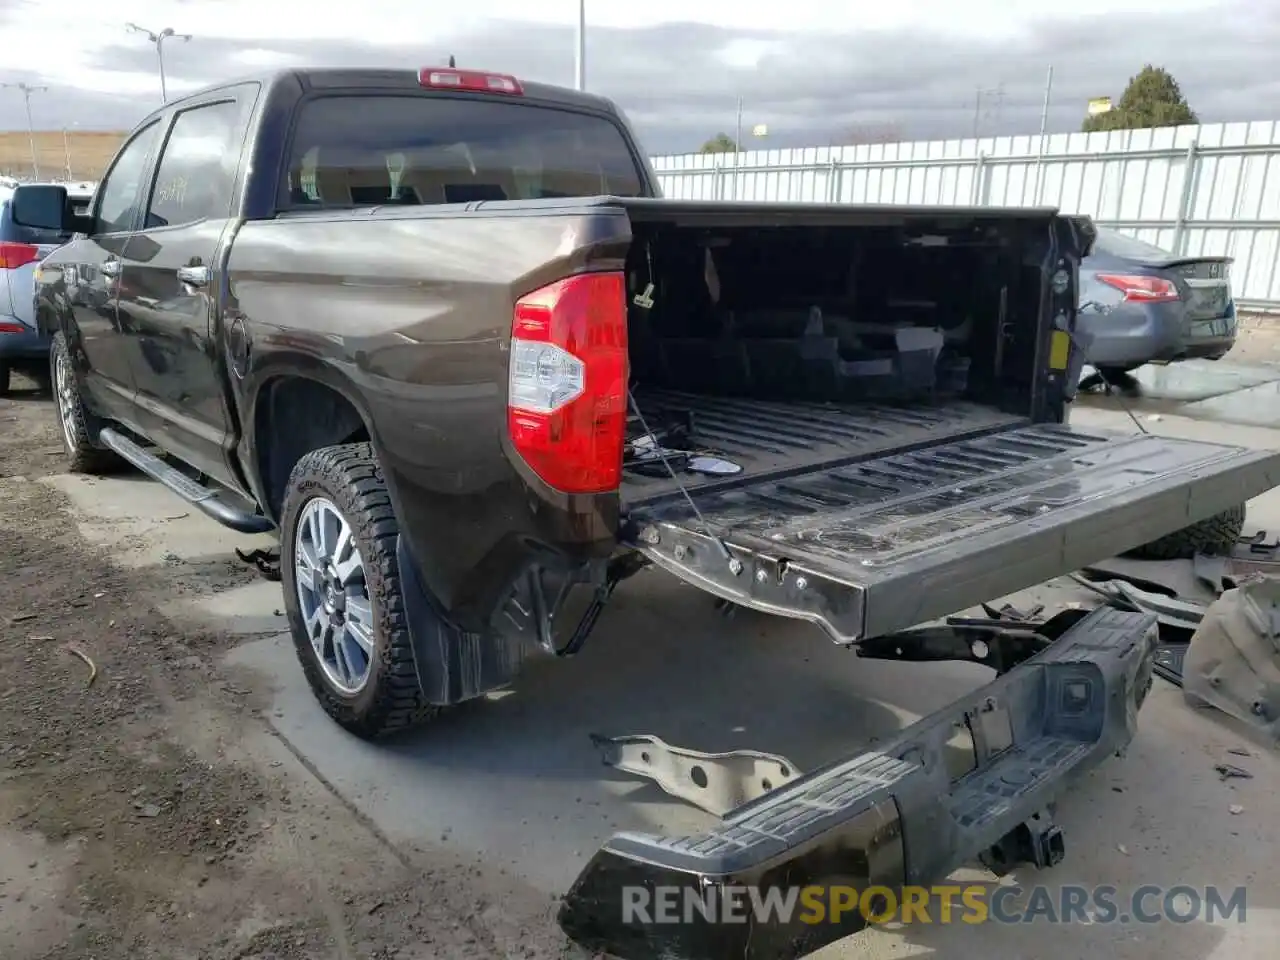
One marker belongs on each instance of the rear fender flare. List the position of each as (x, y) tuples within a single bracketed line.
[(294, 366)]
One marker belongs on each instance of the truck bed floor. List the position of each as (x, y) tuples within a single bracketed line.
[(779, 438)]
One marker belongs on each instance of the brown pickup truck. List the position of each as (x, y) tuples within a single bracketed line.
[(439, 329)]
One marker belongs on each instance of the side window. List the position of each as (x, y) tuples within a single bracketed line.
[(120, 192), (198, 166)]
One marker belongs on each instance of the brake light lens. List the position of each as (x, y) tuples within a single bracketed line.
[(14, 255), (1141, 289), (474, 80), (567, 385)]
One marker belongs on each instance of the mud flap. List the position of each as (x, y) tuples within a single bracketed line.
[(1233, 662), (877, 545), (888, 818)]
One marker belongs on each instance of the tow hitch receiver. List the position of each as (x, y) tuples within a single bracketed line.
[(889, 818)]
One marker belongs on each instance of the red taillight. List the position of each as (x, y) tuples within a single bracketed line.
[(14, 255), (1141, 289), (13, 328), (476, 80), (567, 386)]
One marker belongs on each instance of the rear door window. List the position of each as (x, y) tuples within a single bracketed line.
[(425, 149)]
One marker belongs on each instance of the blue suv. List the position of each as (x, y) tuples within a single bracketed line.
[(22, 346)]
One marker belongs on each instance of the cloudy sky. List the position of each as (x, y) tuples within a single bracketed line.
[(811, 70)]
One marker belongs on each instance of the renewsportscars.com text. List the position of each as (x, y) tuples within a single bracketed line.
[(942, 903)]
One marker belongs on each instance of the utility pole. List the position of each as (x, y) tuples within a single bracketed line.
[(999, 101), (27, 90), (1044, 126), (996, 93), (158, 39), (580, 61), (66, 148), (737, 153)]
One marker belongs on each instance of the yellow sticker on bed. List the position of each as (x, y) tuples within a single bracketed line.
[(1059, 350)]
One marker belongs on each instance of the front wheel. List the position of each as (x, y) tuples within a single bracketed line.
[(79, 427), (342, 592)]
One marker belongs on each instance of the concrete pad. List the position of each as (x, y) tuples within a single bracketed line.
[(144, 523), (1257, 406), (1224, 392), (254, 608), (1199, 379)]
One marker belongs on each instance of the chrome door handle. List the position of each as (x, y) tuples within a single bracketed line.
[(110, 268), (194, 276)]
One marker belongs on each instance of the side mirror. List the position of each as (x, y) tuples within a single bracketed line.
[(46, 207)]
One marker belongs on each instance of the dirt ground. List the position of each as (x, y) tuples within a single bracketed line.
[(146, 811)]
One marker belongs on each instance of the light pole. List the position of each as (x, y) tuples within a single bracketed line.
[(1044, 126), (27, 90), (158, 39), (580, 61), (66, 150), (758, 130)]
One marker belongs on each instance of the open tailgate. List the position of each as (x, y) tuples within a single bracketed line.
[(876, 545)]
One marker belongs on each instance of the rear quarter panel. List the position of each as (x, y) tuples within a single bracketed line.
[(408, 314)]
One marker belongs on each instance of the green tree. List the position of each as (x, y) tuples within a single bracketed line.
[(1152, 99), (720, 143)]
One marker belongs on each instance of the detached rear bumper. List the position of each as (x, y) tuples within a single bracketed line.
[(889, 818)]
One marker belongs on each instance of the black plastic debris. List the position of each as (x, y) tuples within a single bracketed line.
[(1168, 662), (1229, 771), (266, 562)]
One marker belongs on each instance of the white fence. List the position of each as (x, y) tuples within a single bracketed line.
[(1212, 189)]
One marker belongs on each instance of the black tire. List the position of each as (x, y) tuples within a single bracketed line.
[(80, 429), (5, 372), (350, 478), (1216, 535)]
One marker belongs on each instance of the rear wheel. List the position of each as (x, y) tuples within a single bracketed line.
[(1113, 378), (1216, 535), (342, 592), (79, 426), (5, 373)]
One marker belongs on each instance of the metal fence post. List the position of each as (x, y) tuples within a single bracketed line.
[(833, 181), (1189, 173), (979, 175)]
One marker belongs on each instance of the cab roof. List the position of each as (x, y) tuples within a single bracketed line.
[(320, 78)]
